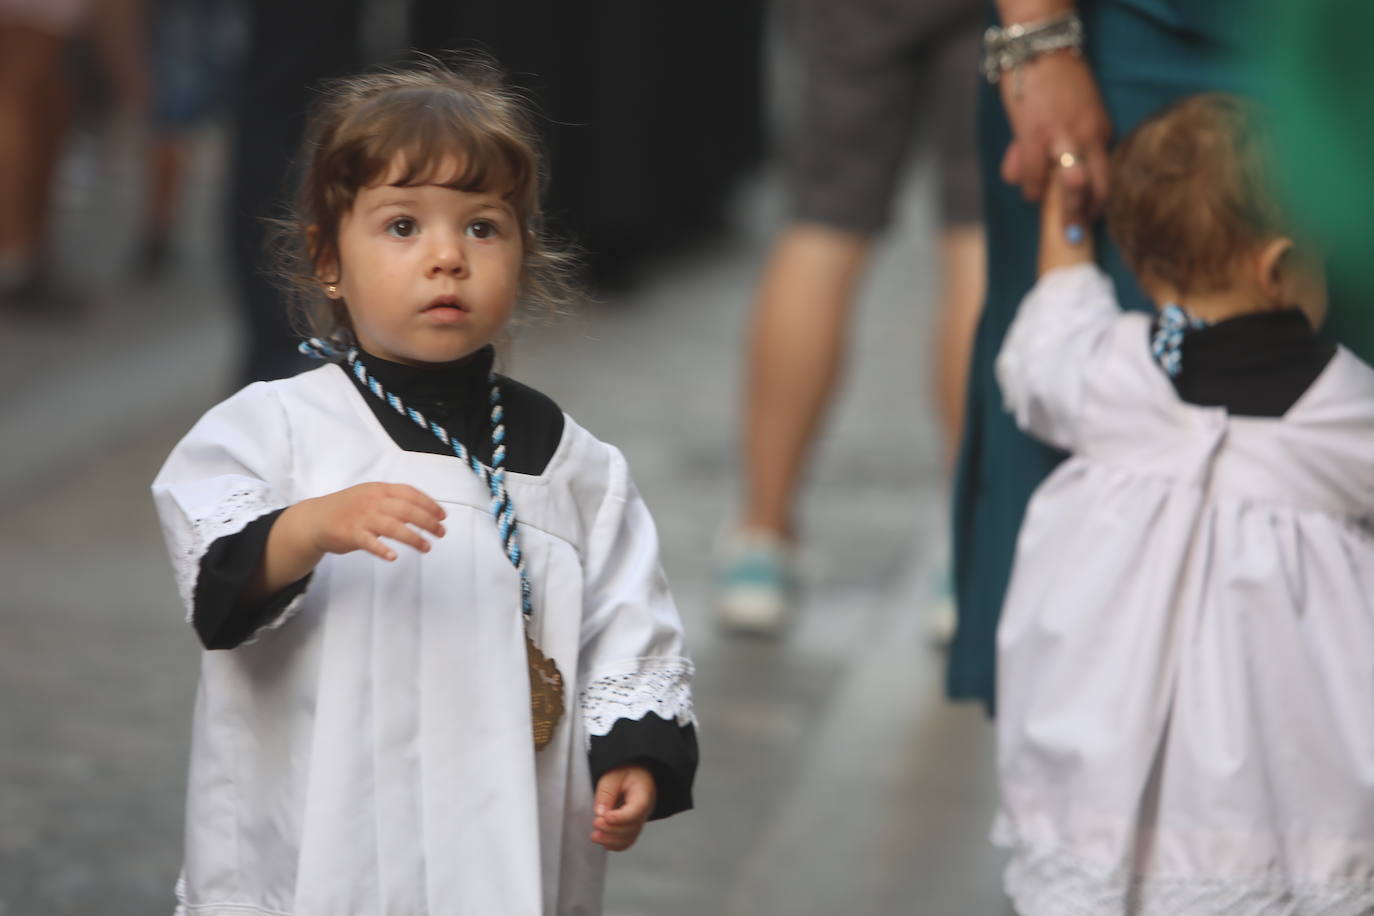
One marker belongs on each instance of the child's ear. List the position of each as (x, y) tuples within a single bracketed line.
[(1272, 267), (326, 265)]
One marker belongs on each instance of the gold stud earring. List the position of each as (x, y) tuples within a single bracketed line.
[(332, 290)]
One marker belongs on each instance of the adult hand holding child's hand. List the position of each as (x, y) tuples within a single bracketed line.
[(1054, 105)]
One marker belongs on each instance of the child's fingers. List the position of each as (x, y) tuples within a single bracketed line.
[(416, 497), (373, 545), (414, 514), (624, 797), (619, 826), (608, 789), (637, 799), (398, 531), (616, 839)]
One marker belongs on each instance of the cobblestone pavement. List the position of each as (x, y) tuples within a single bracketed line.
[(834, 778)]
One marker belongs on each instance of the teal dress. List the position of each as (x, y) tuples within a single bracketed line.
[(1145, 54)]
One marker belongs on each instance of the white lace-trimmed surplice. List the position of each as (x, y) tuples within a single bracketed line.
[(370, 751), (1186, 653)]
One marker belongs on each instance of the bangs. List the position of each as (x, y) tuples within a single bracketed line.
[(439, 140)]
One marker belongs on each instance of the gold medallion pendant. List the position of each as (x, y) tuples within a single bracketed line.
[(546, 694)]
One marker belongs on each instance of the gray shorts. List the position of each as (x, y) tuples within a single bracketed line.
[(871, 71)]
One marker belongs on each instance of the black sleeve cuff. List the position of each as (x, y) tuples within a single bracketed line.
[(669, 751), (222, 617)]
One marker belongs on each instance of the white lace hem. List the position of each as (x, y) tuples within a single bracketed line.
[(1057, 883), (229, 515), (634, 689)]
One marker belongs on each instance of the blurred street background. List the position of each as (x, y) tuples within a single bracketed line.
[(834, 776)]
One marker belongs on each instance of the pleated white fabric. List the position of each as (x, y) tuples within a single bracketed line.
[(373, 754), (1186, 654)]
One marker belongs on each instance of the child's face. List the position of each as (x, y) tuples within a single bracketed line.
[(429, 274)]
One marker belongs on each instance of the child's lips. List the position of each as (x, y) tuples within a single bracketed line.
[(445, 310)]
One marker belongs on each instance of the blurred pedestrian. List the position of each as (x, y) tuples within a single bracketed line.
[(365, 742), (1185, 651), (288, 49), (1062, 76), (193, 48), (36, 110), (867, 66)]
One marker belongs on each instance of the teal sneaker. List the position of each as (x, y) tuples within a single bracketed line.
[(756, 584), (942, 617)]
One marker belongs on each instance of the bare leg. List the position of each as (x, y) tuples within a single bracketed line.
[(34, 113), (796, 349), (964, 258), (53, 122), (963, 254), (167, 165), (797, 345)]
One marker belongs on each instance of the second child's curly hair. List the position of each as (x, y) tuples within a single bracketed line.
[(431, 116), (1192, 192)]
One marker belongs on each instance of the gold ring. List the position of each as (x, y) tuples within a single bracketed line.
[(1067, 160)]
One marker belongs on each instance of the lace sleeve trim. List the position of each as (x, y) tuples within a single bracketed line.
[(662, 686), (229, 515)]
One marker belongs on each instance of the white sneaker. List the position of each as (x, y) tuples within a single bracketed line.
[(756, 583)]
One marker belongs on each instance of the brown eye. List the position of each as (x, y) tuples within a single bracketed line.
[(483, 229), (402, 227)]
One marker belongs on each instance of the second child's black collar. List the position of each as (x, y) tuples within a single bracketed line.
[(1258, 364)]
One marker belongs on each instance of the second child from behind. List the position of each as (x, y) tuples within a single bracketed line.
[(1186, 649)]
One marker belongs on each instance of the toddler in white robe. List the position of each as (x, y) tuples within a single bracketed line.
[(405, 567), (1186, 653)]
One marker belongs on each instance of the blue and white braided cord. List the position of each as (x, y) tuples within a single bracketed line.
[(319, 348), (1167, 342), (502, 507)]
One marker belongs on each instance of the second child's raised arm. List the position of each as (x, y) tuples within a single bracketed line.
[(1048, 352), (1065, 219)]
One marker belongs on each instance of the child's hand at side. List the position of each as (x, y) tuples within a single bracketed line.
[(625, 797), (1065, 233), (356, 518)]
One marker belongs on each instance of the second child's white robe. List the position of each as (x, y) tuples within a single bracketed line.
[(1186, 654)]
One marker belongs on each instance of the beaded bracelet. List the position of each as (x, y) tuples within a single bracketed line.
[(1007, 48)]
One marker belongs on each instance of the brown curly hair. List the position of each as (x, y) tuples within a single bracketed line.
[(429, 115), (1191, 192)]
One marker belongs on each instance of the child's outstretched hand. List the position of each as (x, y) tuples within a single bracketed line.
[(353, 519), (359, 517), (625, 797)]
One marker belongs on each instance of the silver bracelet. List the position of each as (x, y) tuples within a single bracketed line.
[(1009, 47)]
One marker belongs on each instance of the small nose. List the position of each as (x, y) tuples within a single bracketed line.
[(448, 257)]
